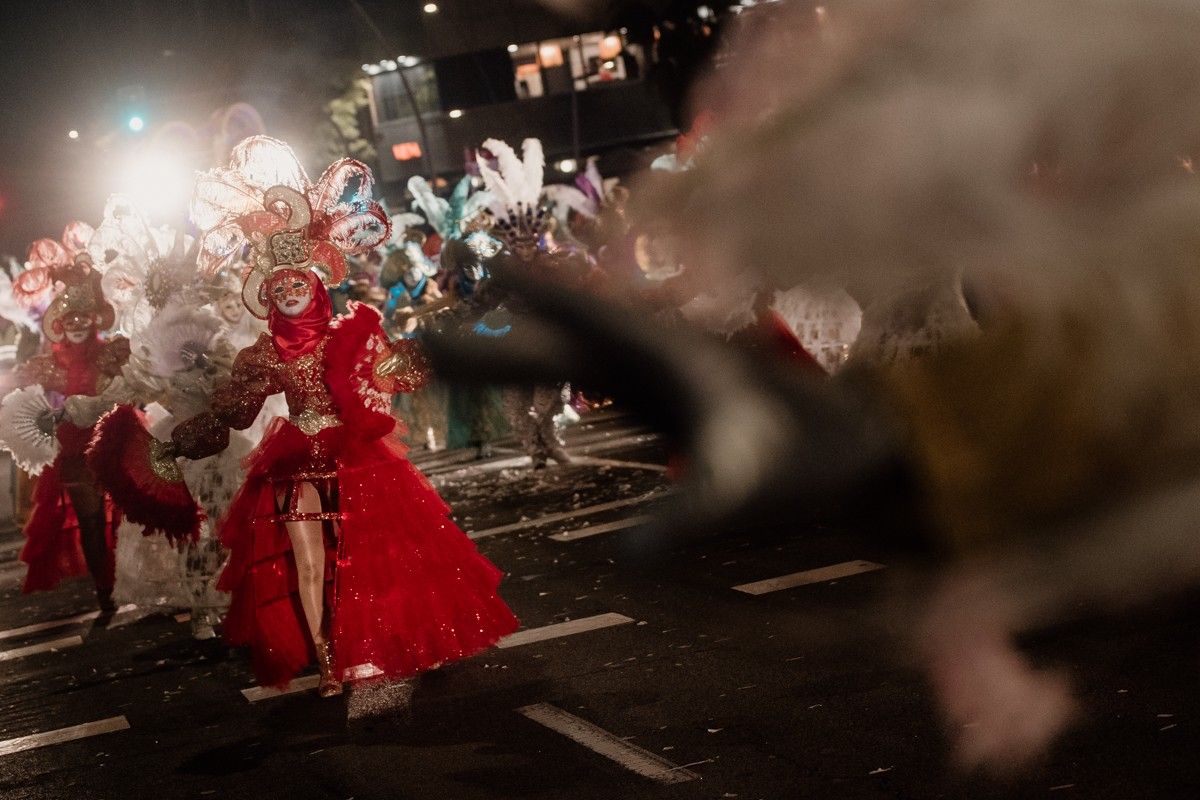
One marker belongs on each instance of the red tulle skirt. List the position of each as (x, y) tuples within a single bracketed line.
[(52, 550), (406, 590)]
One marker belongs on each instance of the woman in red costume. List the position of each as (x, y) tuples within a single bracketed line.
[(72, 528), (339, 546)]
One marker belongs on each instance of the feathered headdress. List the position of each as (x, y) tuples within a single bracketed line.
[(516, 188), (47, 262), (265, 200), (65, 270), (448, 217)]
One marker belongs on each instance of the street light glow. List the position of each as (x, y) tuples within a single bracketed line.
[(512, 48), (431, 8), (136, 123), (567, 165), (72, 134), (157, 180), (455, 113)]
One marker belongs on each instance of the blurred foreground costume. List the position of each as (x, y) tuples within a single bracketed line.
[(73, 526), (1043, 152), (338, 544)]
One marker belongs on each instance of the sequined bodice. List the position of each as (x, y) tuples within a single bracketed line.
[(303, 382)]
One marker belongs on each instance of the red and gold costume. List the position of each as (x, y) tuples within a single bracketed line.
[(404, 588), (72, 528)]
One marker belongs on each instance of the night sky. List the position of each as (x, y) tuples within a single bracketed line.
[(65, 62)]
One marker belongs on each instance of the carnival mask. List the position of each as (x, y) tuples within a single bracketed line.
[(78, 328), (290, 292)]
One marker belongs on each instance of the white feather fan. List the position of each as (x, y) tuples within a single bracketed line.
[(32, 448), (175, 329)]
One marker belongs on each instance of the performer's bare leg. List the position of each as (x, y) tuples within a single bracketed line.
[(308, 548)]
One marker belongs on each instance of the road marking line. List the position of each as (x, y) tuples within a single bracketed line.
[(556, 631), (41, 647), (598, 740), (36, 740), (564, 515), (821, 575), (596, 530), (560, 629), (256, 693), (610, 462), (617, 444), (66, 622)]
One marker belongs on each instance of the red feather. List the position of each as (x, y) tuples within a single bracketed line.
[(119, 455)]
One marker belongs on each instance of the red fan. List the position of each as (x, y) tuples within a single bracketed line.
[(144, 481)]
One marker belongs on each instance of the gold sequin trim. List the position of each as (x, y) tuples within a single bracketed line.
[(313, 422), (164, 466)]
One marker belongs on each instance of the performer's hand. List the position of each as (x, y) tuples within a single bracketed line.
[(48, 420)]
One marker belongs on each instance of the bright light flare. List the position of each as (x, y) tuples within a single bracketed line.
[(158, 181), (72, 134), (136, 124), (455, 113), (431, 8), (567, 165)]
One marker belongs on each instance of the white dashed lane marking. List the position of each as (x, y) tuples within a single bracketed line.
[(556, 631), (41, 647), (88, 729), (65, 622), (560, 629), (821, 575), (630, 756), (565, 515), (596, 530)]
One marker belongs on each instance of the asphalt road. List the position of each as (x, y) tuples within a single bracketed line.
[(670, 683)]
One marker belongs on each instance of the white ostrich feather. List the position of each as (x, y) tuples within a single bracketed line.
[(32, 449), (175, 329), (498, 183), (518, 184), (535, 168)]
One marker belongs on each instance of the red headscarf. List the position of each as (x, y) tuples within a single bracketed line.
[(297, 336), (79, 362)]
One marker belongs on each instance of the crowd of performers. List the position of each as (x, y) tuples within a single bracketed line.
[(210, 419)]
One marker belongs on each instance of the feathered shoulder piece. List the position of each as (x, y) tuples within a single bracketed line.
[(515, 184)]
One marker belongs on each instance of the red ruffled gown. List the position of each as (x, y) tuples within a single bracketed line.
[(55, 546), (406, 590)]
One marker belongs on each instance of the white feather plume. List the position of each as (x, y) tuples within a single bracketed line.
[(519, 181), (535, 167), (32, 449)]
